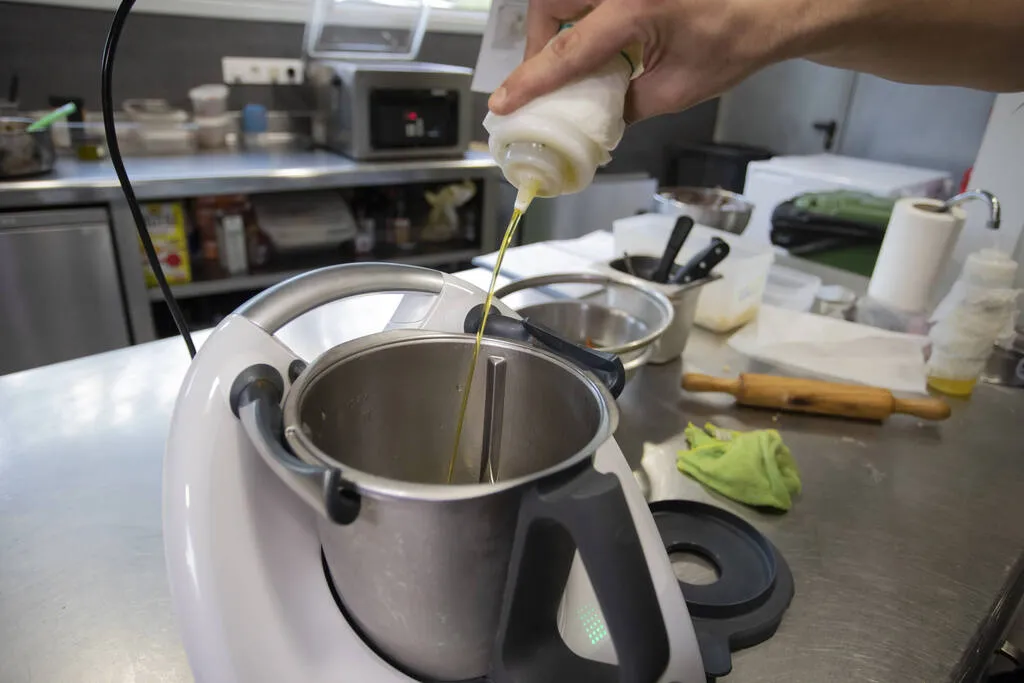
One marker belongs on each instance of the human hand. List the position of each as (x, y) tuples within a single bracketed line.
[(693, 50)]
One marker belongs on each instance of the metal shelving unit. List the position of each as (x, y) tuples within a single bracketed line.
[(83, 184)]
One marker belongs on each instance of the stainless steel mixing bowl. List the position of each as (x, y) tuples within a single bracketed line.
[(708, 206), (619, 317), (423, 567)]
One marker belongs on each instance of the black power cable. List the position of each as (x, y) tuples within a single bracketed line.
[(107, 102)]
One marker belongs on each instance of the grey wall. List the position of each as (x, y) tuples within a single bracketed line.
[(927, 126), (777, 107), (56, 51)]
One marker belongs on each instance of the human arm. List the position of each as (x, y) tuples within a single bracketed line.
[(696, 49)]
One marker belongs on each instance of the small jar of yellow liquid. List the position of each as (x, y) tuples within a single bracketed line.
[(976, 312)]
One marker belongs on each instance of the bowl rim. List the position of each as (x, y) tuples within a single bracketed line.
[(659, 300), (738, 203)]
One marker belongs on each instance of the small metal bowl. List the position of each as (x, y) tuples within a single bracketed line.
[(620, 318), (708, 206)]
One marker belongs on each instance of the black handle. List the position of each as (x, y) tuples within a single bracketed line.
[(587, 511), (607, 366), (255, 399), (680, 232), (701, 265), (829, 129)]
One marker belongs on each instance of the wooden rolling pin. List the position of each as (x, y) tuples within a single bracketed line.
[(814, 396)]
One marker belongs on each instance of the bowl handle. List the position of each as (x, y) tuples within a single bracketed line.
[(256, 401), (586, 510), (279, 305)]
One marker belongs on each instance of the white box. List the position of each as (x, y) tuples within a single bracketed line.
[(779, 179), (724, 305)]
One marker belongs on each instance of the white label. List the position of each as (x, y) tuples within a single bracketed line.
[(503, 44)]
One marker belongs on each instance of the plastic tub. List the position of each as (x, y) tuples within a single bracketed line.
[(723, 305), (179, 140), (789, 288), (212, 131), (209, 100)]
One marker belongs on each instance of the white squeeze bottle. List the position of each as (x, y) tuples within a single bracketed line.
[(554, 144)]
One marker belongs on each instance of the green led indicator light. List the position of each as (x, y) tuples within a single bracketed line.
[(593, 624)]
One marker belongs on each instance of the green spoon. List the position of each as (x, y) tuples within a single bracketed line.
[(51, 118)]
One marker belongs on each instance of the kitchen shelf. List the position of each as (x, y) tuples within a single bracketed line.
[(239, 283)]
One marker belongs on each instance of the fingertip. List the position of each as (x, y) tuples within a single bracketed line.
[(498, 102)]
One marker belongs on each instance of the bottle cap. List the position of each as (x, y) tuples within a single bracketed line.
[(537, 166)]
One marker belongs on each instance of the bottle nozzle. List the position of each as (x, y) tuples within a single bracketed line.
[(527, 191)]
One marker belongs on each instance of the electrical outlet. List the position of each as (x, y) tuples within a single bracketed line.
[(261, 71)]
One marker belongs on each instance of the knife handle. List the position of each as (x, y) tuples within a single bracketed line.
[(701, 265)]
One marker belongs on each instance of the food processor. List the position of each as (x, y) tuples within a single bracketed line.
[(310, 533)]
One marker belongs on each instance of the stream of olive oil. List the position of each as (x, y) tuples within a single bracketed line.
[(506, 240)]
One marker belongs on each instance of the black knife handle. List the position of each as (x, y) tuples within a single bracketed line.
[(701, 265)]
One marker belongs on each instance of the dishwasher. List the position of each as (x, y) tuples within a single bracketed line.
[(60, 292)]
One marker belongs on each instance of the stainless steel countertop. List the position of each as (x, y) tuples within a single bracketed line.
[(80, 182), (905, 545)]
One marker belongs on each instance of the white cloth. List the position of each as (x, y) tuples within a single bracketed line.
[(835, 349)]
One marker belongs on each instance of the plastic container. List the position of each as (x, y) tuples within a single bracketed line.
[(209, 100), (154, 113), (212, 131), (789, 288), (158, 140), (554, 144), (724, 305)]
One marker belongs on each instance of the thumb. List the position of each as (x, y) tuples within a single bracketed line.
[(572, 54)]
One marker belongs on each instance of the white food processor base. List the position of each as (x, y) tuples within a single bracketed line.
[(243, 556)]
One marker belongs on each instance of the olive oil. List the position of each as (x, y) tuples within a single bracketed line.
[(505, 242)]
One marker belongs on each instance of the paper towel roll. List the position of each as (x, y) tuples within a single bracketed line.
[(917, 244)]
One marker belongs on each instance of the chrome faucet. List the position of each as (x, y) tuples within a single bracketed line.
[(994, 212)]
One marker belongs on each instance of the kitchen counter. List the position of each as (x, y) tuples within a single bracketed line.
[(905, 544), (174, 177)]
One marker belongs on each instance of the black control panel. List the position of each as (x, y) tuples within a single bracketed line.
[(403, 119)]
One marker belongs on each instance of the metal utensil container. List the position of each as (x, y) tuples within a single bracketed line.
[(422, 568), (683, 299), (23, 153), (708, 206), (620, 317)]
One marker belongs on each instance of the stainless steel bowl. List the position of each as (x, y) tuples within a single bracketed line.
[(423, 567), (708, 206), (620, 317), (683, 298)]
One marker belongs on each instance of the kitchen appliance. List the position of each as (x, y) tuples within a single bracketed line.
[(391, 109), (271, 516), (49, 318), (773, 181)]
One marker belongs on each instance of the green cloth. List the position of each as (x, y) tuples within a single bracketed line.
[(754, 468)]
